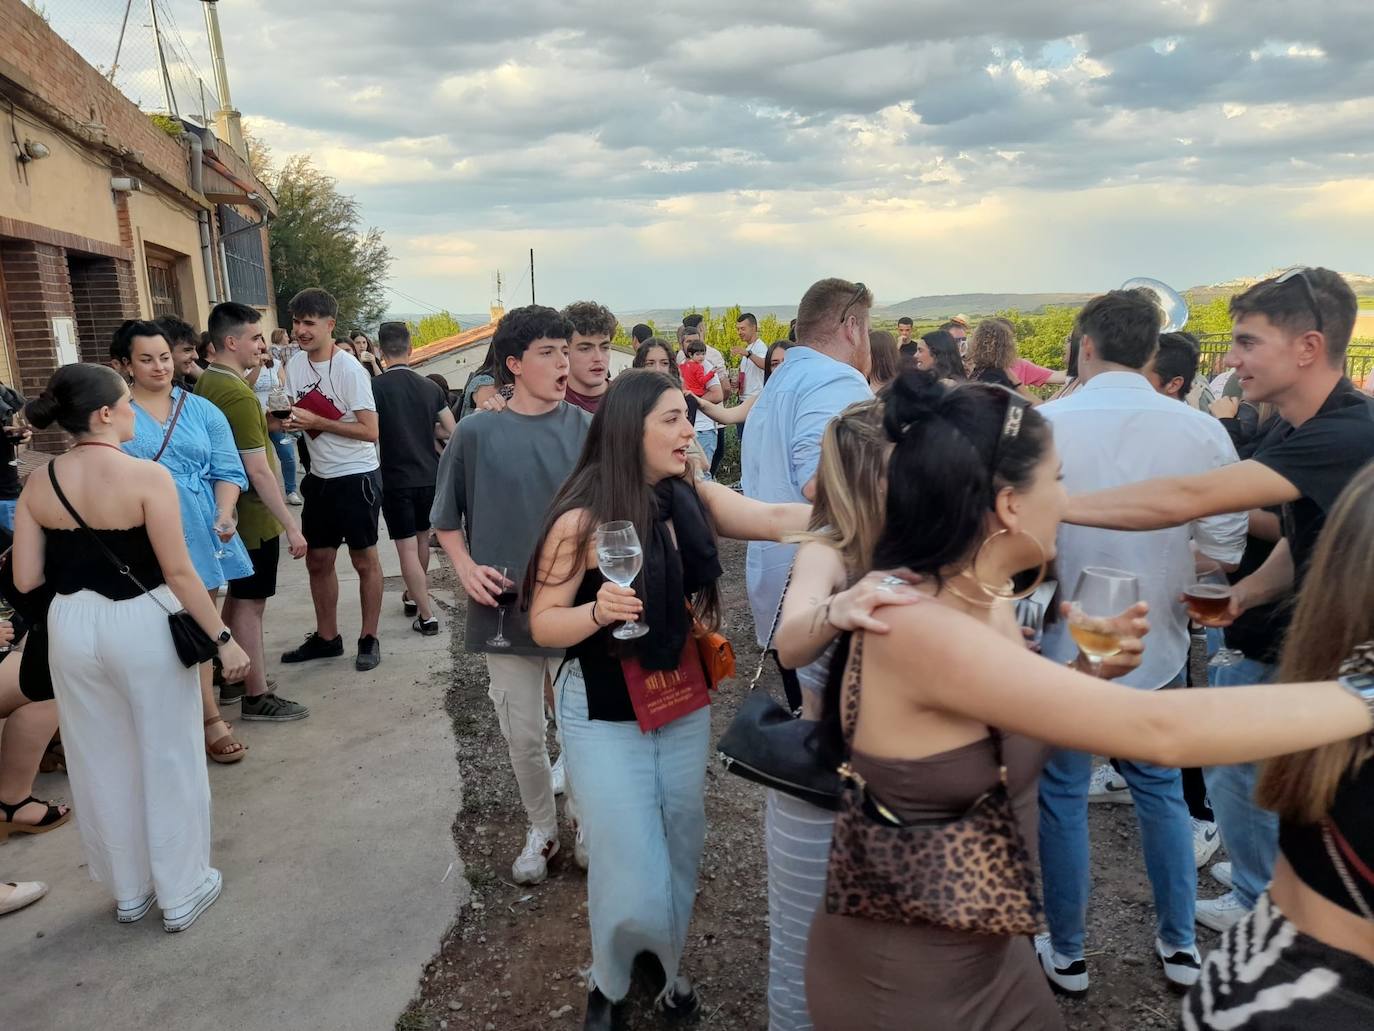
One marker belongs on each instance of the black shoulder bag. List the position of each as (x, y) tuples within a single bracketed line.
[(193, 644), (765, 743)]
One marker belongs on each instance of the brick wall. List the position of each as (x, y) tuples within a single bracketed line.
[(37, 289), (104, 294), (41, 62)]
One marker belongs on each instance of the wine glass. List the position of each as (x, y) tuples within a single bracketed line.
[(223, 528), (504, 600), (620, 557), (1102, 594), (6, 616), (279, 404), (15, 430)]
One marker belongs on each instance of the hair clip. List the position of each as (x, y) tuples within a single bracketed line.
[(1011, 428)]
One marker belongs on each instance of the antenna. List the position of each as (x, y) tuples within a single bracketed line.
[(532, 301), (498, 288)]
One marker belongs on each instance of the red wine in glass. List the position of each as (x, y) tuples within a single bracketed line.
[(504, 600)]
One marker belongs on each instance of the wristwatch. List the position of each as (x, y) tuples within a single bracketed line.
[(224, 637), (1362, 686)]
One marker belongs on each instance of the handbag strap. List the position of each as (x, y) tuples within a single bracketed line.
[(768, 641), (115, 560), (167, 439), (849, 707)]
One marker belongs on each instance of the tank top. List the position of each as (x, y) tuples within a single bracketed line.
[(74, 562), (1303, 847)]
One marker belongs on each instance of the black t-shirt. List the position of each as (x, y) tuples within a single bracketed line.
[(1319, 458), (408, 406), (997, 377)]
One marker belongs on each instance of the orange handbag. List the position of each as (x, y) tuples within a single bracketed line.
[(717, 654)]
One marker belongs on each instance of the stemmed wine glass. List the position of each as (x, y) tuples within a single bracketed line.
[(1102, 594), (279, 404), (504, 600), (620, 557), (223, 529)]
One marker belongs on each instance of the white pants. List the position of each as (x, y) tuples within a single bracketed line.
[(131, 723), (517, 693)]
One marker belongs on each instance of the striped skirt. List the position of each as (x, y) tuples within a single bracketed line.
[(797, 837)]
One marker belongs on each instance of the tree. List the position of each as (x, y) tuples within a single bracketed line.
[(259, 158), (317, 241), (432, 328)]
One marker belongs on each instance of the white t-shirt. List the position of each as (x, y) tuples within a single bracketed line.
[(704, 423), (344, 381), (753, 375)]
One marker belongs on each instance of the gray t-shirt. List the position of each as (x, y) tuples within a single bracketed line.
[(497, 478)]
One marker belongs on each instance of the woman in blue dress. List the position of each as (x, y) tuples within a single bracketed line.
[(191, 438)]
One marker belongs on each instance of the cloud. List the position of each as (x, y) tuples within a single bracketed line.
[(636, 140)]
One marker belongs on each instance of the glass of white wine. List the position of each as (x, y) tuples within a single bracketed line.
[(620, 557), (1102, 594)]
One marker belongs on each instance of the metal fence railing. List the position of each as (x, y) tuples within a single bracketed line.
[(1359, 358)]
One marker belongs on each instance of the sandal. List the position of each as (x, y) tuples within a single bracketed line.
[(55, 758), (52, 819), (225, 749)]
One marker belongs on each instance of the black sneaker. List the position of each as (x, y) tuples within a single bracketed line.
[(1181, 966), (1067, 977), (429, 627), (408, 606), (271, 708), (315, 647), (369, 654), (231, 694)]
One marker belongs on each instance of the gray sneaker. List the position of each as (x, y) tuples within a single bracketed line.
[(270, 707)]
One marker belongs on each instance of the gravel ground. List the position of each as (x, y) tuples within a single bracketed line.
[(513, 959)]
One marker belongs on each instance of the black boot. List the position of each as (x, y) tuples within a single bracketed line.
[(602, 1014)]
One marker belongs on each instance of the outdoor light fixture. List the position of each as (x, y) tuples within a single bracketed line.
[(125, 184), (34, 151)]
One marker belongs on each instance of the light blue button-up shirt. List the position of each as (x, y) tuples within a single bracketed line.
[(782, 446)]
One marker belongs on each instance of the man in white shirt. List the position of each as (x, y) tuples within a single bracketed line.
[(1113, 431), (333, 404), (752, 353)]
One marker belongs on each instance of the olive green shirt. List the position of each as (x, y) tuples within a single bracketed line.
[(231, 394)]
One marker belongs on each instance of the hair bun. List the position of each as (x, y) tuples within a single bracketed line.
[(41, 412), (912, 398)]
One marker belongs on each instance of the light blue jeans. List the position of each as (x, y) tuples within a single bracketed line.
[(285, 443), (7, 510), (1166, 836), (707, 440), (1250, 834)]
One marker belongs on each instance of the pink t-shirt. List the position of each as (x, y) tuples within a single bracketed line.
[(1029, 374)]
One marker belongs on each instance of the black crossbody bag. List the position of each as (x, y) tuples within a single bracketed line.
[(193, 644)]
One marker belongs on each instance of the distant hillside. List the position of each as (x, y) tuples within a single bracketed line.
[(1362, 285), (944, 305), (468, 321)]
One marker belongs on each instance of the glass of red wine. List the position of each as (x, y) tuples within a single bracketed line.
[(279, 404), (504, 600)]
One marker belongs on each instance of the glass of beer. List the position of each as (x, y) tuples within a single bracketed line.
[(1102, 595), (1208, 602)]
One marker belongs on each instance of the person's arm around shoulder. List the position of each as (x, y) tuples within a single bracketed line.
[(745, 519), (555, 622), (981, 675), (1175, 500), (162, 518), (727, 416)]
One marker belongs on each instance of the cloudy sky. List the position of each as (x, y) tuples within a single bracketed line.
[(708, 151)]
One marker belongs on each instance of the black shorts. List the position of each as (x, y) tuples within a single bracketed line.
[(263, 583), (406, 510), (341, 510)]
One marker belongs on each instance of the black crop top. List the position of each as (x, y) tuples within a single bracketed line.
[(1353, 815), (607, 697), (73, 562)]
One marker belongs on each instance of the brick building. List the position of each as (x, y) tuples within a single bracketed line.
[(107, 215)]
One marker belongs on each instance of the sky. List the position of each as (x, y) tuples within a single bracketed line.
[(717, 151)]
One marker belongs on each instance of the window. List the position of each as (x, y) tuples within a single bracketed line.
[(243, 261), (162, 285)]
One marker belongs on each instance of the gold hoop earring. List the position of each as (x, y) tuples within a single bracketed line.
[(1004, 591)]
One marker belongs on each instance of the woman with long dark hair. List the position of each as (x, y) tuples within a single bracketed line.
[(1307, 947), (640, 791), (973, 499), (937, 352), (130, 712), (486, 381)]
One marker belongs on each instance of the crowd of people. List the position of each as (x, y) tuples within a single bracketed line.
[(902, 498)]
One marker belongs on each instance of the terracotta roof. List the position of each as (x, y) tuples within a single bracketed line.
[(439, 348)]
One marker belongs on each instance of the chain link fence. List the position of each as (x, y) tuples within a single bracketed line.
[(156, 52)]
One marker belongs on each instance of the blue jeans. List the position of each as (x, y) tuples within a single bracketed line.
[(1250, 834), (1166, 836), (7, 509), (285, 444), (707, 440)]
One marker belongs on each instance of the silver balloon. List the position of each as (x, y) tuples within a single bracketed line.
[(1173, 308)]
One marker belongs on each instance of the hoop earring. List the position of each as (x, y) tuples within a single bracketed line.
[(1004, 591)]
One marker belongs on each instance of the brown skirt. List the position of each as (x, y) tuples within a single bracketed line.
[(865, 975)]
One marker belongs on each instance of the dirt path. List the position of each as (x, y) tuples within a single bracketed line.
[(513, 959)]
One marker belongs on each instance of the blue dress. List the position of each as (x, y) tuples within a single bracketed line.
[(200, 453)]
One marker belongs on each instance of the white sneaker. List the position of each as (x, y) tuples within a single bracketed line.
[(1221, 914), (580, 846), (560, 776), (131, 911), (294, 499), (1181, 966), (532, 865), (1108, 786), (1221, 873), (1206, 840), (184, 915), (1066, 976)]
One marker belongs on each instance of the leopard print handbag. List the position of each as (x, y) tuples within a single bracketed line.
[(970, 873)]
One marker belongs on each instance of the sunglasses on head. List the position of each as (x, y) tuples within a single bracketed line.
[(860, 292), (1300, 274)]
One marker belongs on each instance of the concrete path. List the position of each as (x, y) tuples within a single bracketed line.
[(334, 839)]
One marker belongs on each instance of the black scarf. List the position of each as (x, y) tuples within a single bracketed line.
[(673, 574)]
